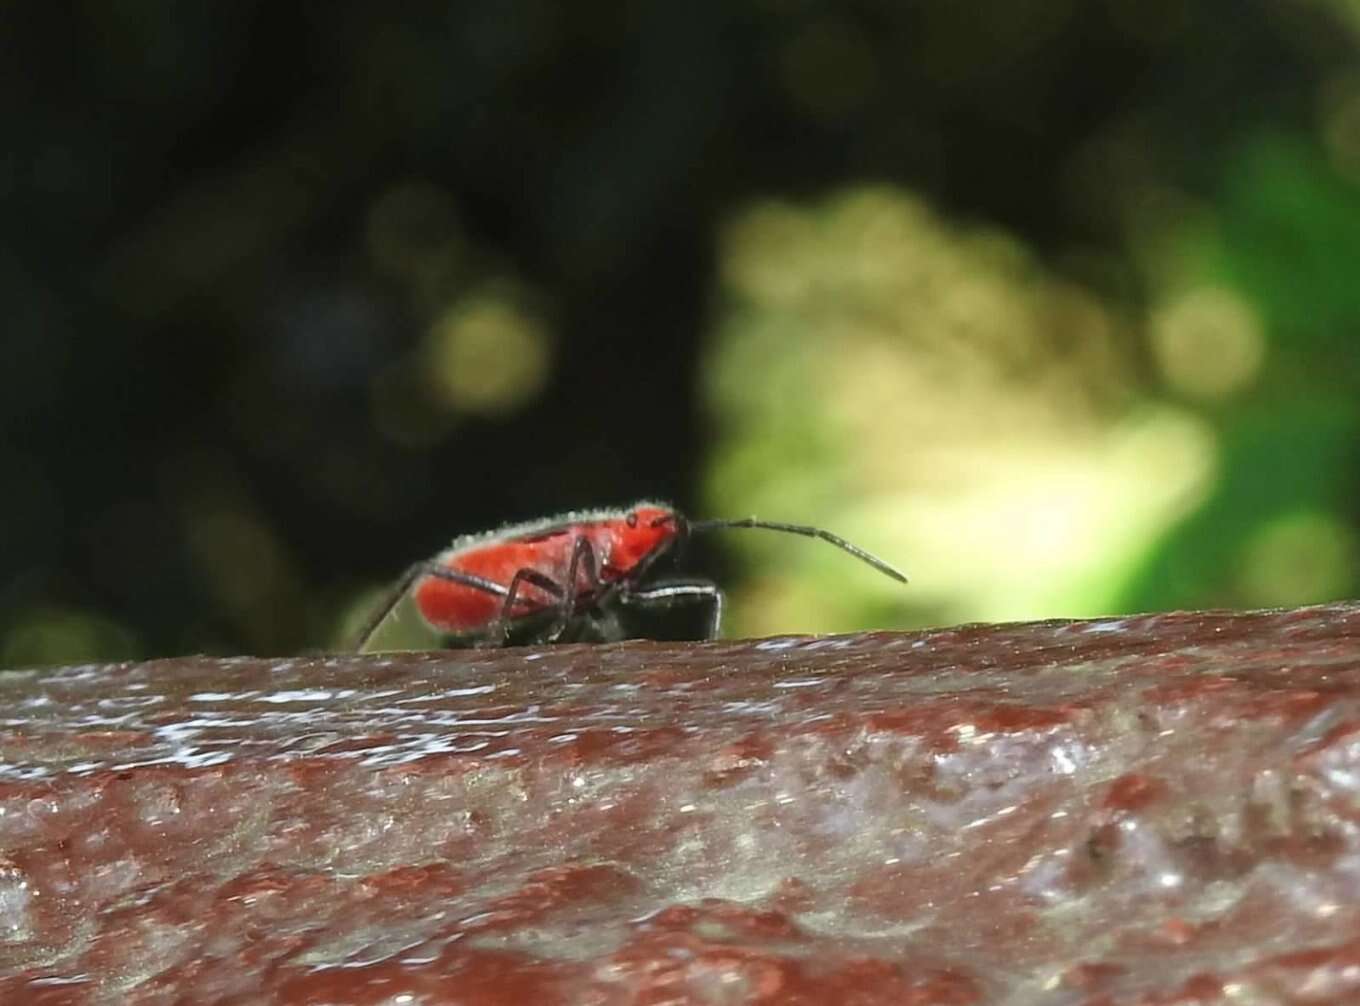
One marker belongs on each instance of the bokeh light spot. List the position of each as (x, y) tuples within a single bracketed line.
[(413, 237), (829, 67), (1341, 124), (487, 355), (64, 635), (1208, 342), (1299, 558)]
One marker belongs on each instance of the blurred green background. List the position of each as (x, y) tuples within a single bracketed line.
[(1054, 304)]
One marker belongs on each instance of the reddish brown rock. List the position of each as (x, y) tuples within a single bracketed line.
[(1145, 810)]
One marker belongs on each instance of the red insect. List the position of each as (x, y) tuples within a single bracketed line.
[(545, 578)]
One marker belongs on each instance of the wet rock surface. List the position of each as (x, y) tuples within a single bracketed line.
[(1160, 809)]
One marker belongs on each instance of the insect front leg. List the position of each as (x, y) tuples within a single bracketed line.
[(669, 593), (500, 628), (582, 558)]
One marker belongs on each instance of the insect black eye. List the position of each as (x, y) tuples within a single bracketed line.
[(631, 520)]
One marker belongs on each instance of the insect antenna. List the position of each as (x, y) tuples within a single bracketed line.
[(806, 532)]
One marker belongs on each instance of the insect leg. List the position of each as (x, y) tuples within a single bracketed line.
[(669, 593), (500, 627), (582, 557), (426, 567)]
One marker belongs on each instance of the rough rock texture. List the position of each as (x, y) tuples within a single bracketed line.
[(1147, 810)]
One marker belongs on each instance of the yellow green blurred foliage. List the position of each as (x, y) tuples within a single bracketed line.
[(1025, 446), (932, 390)]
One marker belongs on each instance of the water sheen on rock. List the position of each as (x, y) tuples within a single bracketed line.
[(1160, 809)]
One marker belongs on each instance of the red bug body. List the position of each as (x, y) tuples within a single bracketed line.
[(620, 541), (578, 570)]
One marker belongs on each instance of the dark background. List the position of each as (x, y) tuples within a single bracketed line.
[(228, 228)]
